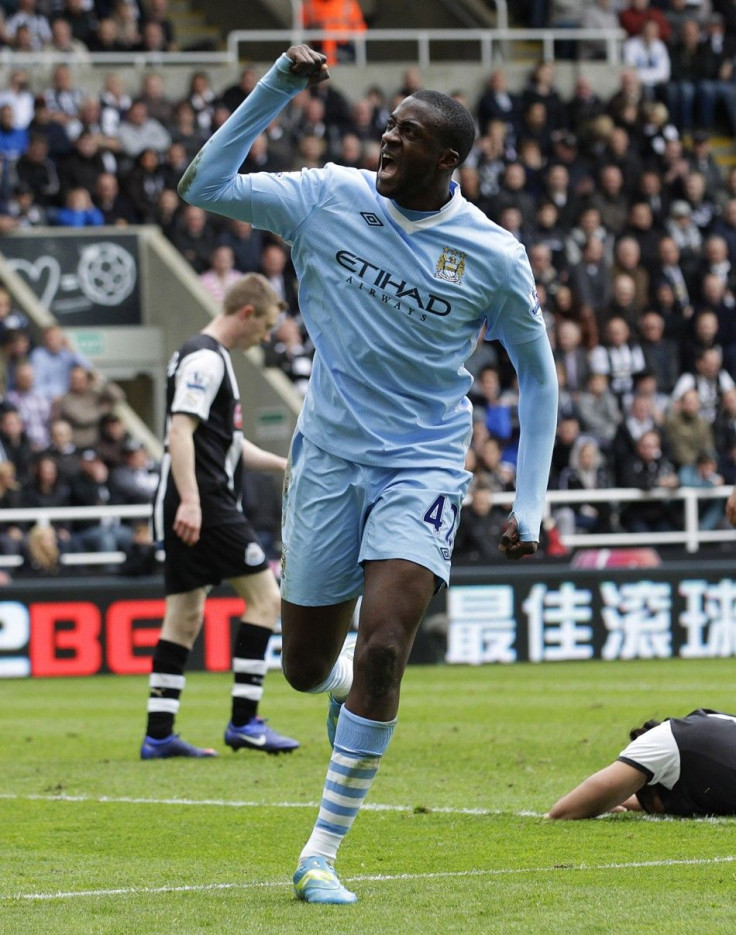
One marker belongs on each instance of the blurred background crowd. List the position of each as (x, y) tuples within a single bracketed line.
[(626, 204)]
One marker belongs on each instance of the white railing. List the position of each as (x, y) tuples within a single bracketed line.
[(45, 515), (487, 41), (492, 45), (690, 535), (502, 14)]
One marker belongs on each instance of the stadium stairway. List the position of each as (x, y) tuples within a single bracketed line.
[(191, 26)]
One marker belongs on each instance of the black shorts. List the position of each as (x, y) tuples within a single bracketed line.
[(229, 550)]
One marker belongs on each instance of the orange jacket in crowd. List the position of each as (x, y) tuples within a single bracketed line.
[(332, 16)]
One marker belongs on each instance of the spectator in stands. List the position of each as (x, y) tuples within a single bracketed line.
[(234, 95), (649, 470), (246, 244), (83, 165), (717, 298), (79, 210), (598, 410), (277, 268), (682, 228), (192, 235), (29, 18), (185, 129), (640, 12), (703, 474), (619, 150), (641, 227), (22, 208), (157, 11), (144, 184), (638, 418), (691, 89), (18, 96), (660, 352), (481, 523), (139, 131), (41, 553), (63, 98), (115, 207), (105, 37), (135, 480), (598, 15), (63, 450), (64, 43), (112, 439), (45, 489), (547, 230), (221, 274), (650, 191), (687, 432), (709, 379), (587, 471), (334, 17), (610, 199), (625, 104), (90, 488), (702, 333), (33, 407), (11, 319), (173, 165), (670, 270), (568, 432), (53, 361), (724, 430), (627, 260), (167, 212), (14, 443), (126, 16), (15, 346), (82, 19), (114, 104), (619, 356), (86, 401), (621, 305), (715, 262), (291, 352), (495, 412), (58, 142), (648, 55), (201, 96), (11, 534), (13, 142), (90, 120), (37, 170), (497, 103), (570, 352), (725, 226)]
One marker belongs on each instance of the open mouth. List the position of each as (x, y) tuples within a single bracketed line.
[(388, 166)]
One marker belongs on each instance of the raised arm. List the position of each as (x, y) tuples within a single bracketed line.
[(212, 181), (605, 790)]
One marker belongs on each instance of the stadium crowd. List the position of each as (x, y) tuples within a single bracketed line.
[(628, 219)]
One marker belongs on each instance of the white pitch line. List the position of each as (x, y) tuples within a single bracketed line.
[(367, 878), (227, 803)]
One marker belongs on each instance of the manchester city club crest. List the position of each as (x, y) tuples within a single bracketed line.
[(451, 265)]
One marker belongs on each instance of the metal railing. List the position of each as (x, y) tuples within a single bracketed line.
[(690, 536), (502, 14), (492, 46), (487, 41)]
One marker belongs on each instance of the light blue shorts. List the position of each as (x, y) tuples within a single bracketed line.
[(338, 514)]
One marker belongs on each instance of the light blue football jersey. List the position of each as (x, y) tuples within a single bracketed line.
[(393, 302)]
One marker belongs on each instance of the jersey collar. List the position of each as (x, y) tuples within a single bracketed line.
[(447, 211)]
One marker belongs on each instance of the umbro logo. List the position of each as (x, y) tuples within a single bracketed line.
[(372, 220)]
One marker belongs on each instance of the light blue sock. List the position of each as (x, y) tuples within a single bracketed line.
[(359, 746)]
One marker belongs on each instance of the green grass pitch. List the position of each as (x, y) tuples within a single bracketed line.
[(452, 838)]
